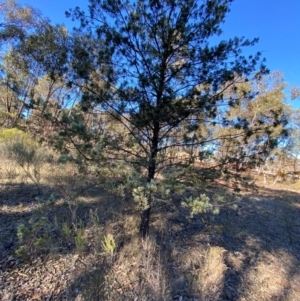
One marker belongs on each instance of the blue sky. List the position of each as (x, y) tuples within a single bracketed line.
[(275, 22)]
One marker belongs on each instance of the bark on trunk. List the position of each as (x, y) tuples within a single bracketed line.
[(145, 215), (145, 221)]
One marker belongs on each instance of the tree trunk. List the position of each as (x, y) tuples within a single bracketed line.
[(145, 221), (145, 215)]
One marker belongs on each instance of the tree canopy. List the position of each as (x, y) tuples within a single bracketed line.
[(162, 69), (155, 79)]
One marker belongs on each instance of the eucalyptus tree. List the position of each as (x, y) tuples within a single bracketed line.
[(287, 155), (34, 71), (263, 119), (16, 21), (15, 87), (161, 69)]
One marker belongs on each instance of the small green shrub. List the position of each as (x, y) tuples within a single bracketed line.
[(80, 241), (109, 244), (22, 232), (33, 238), (8, 134), (24, 153), (65, 230), (94, 218), (203, 204)]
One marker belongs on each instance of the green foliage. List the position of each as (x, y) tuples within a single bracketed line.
[(66, 230), (22, 232), (80, 242), (25, 153), (204, 204), (17, 81), (286, 156), (263, 120), (94, 218), (155, 92), (108, 244), (47, 202), (199, 204), (162, 95), (142, 194), (33, 238), (13, 133), (150, 192)]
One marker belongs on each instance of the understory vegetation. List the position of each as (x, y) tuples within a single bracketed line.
[(74, 242)]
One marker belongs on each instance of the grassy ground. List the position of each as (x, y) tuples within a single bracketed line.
[(63, 247)]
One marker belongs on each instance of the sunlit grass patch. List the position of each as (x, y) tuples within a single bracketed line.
[(204, 270), (269, 278)]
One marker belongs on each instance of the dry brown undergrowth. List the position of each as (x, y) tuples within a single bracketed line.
[(251, 254)]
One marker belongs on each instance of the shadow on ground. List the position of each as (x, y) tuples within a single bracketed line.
[(259, 244), (22, 204)]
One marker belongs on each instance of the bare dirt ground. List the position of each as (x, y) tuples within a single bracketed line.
[(245, 255)]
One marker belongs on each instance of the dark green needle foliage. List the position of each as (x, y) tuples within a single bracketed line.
[(161, 68)]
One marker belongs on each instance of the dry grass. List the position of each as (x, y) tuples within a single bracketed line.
[(9, 172), (251, 254), (205, 270), (269, 278), (135, 273), (288, 183)]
